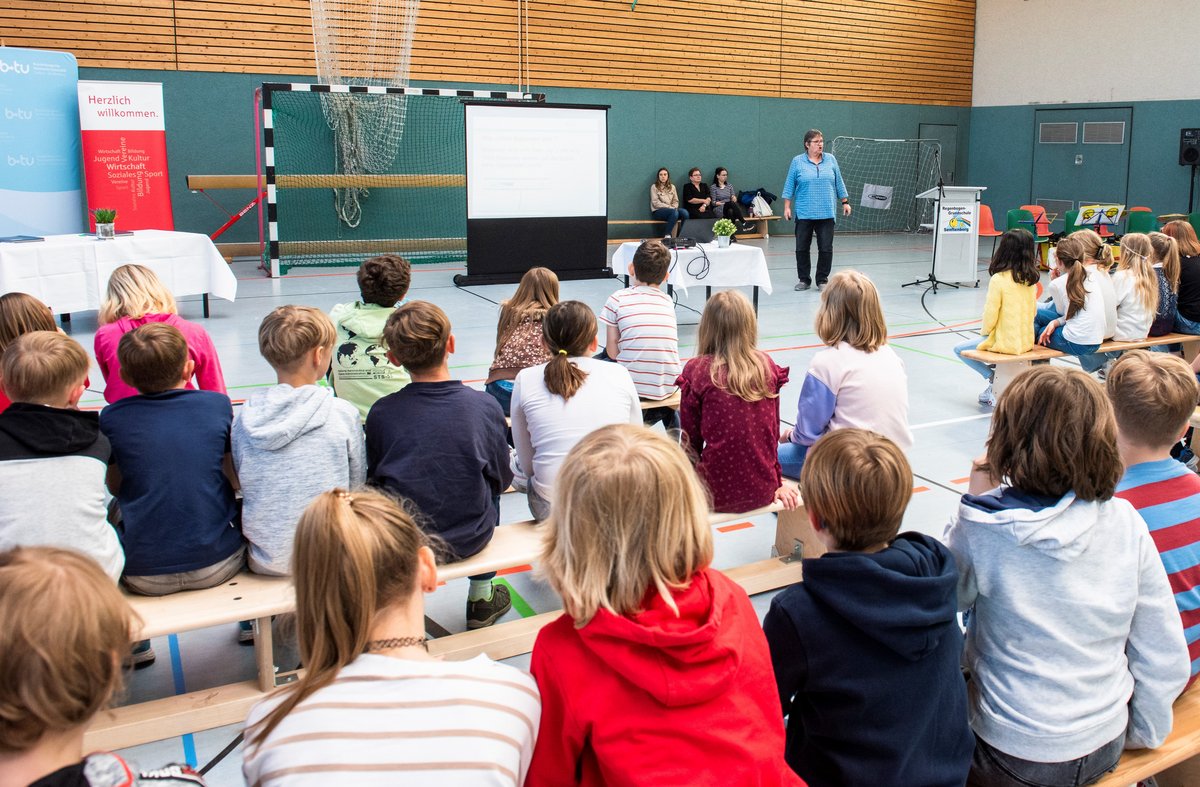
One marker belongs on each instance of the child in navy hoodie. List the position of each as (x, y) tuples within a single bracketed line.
[(866, 649)]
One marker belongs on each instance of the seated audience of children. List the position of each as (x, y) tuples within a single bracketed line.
[(362, 373), (641, 333), (519, 342), (442, 446), (362, 568), (867, 648), (1050, 559), (295, 439), (856, 381), (65, 630), (557, 404), (729, 409), (135, 296), (1153, 396), (658, 672), (53, 457)]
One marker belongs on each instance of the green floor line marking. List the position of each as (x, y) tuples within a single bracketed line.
[(519, 604), (923, 352)]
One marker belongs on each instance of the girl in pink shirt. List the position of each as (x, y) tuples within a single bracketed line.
[(135, 297), (729, 409)]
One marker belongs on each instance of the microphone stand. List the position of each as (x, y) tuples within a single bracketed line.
[(932, 279)]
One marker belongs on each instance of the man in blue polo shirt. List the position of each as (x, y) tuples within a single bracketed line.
[(815, 183)]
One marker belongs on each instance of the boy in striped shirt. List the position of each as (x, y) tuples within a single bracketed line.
[(1153, 394), (642, 334)]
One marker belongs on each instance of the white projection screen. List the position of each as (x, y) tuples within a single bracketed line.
[(537, 190), (533, 161)]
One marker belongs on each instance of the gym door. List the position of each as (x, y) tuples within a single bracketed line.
[(1080, 156)]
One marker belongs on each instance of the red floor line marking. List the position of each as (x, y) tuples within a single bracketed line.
[(961, 480), (504, 572), (920, 489), (735, 526), (921, 332)]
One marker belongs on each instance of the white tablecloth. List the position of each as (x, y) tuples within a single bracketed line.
[(738, 265), (70, 272)]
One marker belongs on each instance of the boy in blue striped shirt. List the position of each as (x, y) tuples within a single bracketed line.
[(1153, 394)]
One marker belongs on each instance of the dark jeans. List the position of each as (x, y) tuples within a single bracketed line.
[(502, 394), (1088, 358), (805, 228), (731, 210), (991, 767), (666, 416), (671, 216)]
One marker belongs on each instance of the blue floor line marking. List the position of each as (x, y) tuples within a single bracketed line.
[(189, 743)]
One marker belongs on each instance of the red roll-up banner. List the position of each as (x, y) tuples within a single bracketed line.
[(125, 153)]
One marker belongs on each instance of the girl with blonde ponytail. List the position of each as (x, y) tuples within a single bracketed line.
[(729, 409), (361, 567), (1078, 321), (1166, 265), (555, 404)]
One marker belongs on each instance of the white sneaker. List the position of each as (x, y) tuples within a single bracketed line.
[(988, 398)]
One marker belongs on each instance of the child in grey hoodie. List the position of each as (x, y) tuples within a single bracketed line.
[(293, 440), (1073, 644)]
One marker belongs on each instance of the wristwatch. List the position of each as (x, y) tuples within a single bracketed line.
[(845, 202)]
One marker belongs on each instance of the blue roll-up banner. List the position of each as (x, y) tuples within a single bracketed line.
[(39, 143)]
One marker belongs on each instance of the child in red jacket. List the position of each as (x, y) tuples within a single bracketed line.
[(658, 673)]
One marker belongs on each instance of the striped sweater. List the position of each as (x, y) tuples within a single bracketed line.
[(386, 721), (648, 343), (1167, 495)]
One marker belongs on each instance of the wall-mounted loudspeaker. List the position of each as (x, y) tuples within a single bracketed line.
[(1189, 147)]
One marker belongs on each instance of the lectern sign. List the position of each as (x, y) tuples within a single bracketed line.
[(125, 152)]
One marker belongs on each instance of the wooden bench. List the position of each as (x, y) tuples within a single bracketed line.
[(254, 597), (760, 222), (1009, 366), (1180, 746)]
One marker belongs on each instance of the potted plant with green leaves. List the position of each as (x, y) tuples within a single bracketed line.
[(105, 223), (723, 229)]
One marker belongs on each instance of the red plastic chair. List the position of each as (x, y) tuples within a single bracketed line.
[(1041, 225), (987, 225)]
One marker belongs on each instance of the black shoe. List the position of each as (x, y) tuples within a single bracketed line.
[(803, 285), (485, 612), (141, 655)]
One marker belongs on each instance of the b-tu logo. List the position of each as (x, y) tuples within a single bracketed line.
[(15, 66), (21, 161), (17, 114)]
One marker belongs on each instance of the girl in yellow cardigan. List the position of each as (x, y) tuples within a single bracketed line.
[(1011, 304)]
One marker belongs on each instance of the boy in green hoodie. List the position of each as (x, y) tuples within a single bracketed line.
[(362, 373)]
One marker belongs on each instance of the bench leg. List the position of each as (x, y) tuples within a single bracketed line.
[(1190, 349), (795, 537), (1004, 374), (264, 653), (205, 301)]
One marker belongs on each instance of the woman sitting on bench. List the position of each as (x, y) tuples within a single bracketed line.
[(362, 567)]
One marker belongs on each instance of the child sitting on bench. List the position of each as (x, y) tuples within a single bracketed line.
[(442, 446), (362, 569), (658, 672), (295, 439), (873, 625), (66, 628), (1048, 559)]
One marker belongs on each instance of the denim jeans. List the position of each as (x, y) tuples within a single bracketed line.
[(981, 368), (1047, 315), (501, 391), (666, 416), (671, 216), (991, 767), (791, 459), (1184, 325), (805, 229), (539, 507)]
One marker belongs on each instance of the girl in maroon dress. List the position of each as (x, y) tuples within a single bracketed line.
[(729, 409)]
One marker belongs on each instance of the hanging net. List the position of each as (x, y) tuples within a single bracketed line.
[(883, 177), (363, 42)]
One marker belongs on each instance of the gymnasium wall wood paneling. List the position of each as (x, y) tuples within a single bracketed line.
[(887, 51)]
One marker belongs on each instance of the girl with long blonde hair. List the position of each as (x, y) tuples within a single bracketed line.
[(136, 296), (729, 409), (658, 672), (519, 333), (1165, 260), (1083, 308), (361, 567), (1136, 286), (558, 402), (856, 381)]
